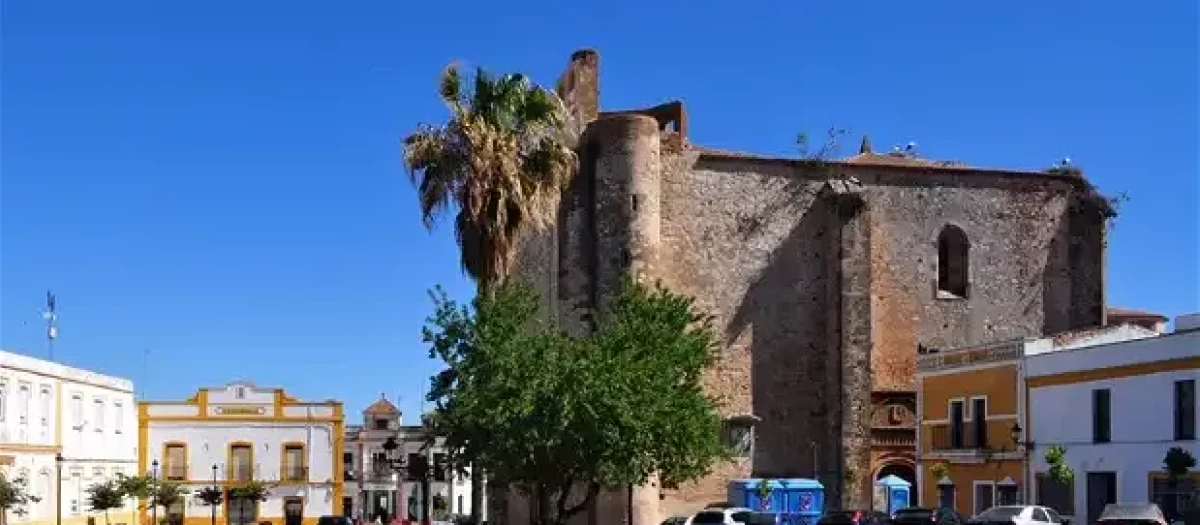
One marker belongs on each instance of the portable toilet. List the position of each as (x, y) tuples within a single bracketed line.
[(748, 493), (892, 494), (804, 500)]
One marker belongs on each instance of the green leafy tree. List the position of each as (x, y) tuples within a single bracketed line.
[(134, 487), (165, 494), (561, 417), (105, 496), (1056, 461), (502, 160), (211, 497), (14, 497)]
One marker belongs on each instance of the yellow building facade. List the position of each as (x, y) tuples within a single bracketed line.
[(227, 436), (968, 401)]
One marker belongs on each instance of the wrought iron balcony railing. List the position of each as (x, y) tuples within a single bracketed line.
[(968, 435)]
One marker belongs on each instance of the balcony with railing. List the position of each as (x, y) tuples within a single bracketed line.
[(240, 472), (175, 472), (293, 473), (967, 436)]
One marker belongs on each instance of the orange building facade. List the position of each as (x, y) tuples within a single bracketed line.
[(967, 404)]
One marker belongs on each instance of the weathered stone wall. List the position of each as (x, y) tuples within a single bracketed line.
[(824, 291)]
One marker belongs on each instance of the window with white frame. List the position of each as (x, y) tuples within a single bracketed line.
[(45, 407), (118, 416), (3, 401), (24, 397), (77, 411), (98, 414)]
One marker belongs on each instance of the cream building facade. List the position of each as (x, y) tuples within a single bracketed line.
[(375, 489), (228, 435), (48, 409)]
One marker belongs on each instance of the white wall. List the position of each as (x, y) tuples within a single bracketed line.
[(208, 445), (1142, 430), (99, 434)]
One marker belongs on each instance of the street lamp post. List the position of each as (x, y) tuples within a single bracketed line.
[(58, 461), (215, 487), (153, 493), (395, 460), (1024, 446)]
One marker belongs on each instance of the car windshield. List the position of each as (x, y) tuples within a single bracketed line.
[(709, 517), (1129, 512), (1001, 513)]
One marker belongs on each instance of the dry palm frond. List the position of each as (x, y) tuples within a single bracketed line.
[(502, 160)]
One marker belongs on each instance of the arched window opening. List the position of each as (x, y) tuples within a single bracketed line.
[(953, 263)]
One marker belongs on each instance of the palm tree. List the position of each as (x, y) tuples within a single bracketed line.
[(502, 160)]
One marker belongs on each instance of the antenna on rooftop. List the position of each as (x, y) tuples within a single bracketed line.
[(51, 317)]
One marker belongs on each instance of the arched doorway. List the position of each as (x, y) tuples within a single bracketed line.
[(900, 470)]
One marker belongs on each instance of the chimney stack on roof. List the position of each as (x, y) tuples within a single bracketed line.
[(865, 146)]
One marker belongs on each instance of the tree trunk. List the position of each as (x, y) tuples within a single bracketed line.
[(477, 496)]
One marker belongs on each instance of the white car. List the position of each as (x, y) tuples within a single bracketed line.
[(716, 516), (1019, 515)]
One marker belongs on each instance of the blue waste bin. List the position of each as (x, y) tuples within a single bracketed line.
[(897, 493)]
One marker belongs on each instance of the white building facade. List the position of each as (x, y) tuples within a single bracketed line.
[(230, 435), (375, 488), (1116, 408), (48, 409)]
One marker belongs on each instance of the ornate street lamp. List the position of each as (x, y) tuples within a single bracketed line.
[(1017, 431), (395, 460), (58, 461)]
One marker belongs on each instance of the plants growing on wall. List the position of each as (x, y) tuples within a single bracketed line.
[(1056, 461), (939, 471)]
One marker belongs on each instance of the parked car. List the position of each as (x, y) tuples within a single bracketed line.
[(928, 516), (1018, 515), (855, 517), (1131, 514), (725, 516), (766, 518)]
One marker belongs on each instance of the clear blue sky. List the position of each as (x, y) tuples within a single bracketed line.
[(220, 182)]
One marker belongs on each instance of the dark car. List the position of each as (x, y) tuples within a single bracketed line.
[(854, 517), (926, 516), (334, 520)]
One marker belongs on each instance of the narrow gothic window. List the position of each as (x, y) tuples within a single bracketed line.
[(953, 262)]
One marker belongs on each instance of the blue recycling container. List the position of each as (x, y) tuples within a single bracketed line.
[(798, 500)]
